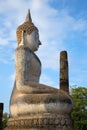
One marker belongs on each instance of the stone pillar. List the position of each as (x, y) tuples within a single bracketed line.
[(64, 80), (1, 114)]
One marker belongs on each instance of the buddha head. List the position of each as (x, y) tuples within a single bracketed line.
[(28, 34)]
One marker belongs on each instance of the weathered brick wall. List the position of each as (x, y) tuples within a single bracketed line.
[(1, 114)]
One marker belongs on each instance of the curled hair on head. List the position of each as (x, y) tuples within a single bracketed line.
[(26, 27), (24, 31)]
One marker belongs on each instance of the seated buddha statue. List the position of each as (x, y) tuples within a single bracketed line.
[(28, 95)]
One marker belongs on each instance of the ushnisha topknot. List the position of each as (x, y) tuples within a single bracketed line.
[(27, 26)]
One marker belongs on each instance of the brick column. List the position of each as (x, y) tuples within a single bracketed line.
[(64, 80), (1, 114)]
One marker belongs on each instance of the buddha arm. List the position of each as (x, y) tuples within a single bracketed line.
[(22, 62)]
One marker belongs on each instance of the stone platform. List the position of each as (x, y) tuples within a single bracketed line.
[(40, 122)]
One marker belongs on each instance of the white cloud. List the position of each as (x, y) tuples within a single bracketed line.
[(3, 61), (49, 80), (11, 80), (12, 77), (46, 80)]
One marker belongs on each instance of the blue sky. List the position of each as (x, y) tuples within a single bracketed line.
[(62, 25)]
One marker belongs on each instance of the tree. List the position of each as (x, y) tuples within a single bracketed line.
[(79, 114), (4, 120)]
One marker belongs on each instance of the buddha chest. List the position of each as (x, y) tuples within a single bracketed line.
[(28, 65)]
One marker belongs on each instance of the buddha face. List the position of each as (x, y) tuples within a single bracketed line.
[(32, 41)]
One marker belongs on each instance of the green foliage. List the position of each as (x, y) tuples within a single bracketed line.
[(4, 120), (79, 114)]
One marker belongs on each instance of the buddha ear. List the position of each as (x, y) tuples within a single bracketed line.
[(23, 34)]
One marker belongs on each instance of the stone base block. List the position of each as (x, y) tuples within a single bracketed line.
[(40, 122)]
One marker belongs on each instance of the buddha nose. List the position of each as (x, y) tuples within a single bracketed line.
[(40, 42)]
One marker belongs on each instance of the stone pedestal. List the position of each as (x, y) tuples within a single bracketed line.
[(40, 122)]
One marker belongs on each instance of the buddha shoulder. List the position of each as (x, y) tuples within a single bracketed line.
[(23, 52)]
